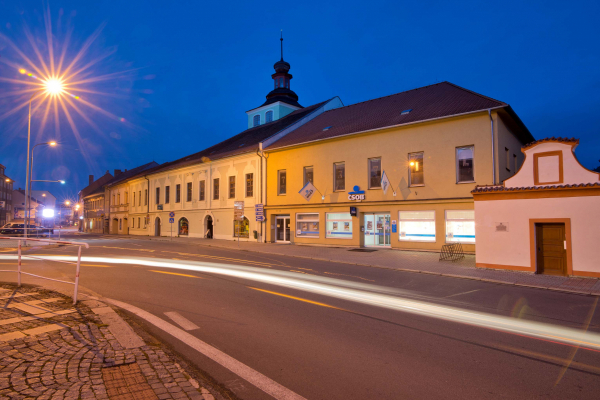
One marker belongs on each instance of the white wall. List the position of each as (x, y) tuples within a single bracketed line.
[(513, 247)]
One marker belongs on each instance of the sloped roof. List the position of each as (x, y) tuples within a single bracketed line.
[(96, 186), (132, 172), (501, 188), (426, 103), (244, 142)]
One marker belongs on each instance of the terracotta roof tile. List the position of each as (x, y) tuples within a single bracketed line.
[(552, 139), (500, 188), (430, 102)]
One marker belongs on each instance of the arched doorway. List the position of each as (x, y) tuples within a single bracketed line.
[(115, 226), (208, 227), (184, 227), (125, 226), (157, 226)]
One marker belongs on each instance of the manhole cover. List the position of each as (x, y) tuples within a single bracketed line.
[(363, 250)]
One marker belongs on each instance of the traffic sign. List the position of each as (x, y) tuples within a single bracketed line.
[(260, 212), (172, 214), (171, 220)]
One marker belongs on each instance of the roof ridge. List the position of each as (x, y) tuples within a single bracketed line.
[(475, 93)]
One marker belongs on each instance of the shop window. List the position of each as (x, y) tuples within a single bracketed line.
[(216, 189), (339, 176), (307, 225), (241, 228), (375, 173), (177, 193), (339, 225), (460, 226), (464, 164), (415, 169), (201, 190), (189, 191), (308, 175), (417, 226), (232, 187), (281, 182), (184, 227), (249, 185), (167, 194)]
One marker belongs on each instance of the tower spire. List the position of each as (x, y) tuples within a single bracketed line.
[(281, 44)]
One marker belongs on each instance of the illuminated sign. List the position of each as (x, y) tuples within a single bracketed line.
[(48, 213), (357, 194)]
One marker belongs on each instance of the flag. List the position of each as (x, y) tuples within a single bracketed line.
[(307, 191), (385, 182)]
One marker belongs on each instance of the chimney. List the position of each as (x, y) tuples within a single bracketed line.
[(117, 172), (91, 179)]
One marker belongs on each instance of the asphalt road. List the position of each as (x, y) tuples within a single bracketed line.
[(325, 347)]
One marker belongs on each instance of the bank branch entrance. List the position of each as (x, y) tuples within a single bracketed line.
[(377, 230)]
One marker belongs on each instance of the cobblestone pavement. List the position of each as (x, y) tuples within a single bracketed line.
[(50, 349), (403, 260)]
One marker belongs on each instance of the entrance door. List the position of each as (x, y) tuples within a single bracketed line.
[(377, 230), (157, 227), (282, 229), (551, 245)]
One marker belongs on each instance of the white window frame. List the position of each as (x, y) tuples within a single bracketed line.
[(270, 112), (343, 236), (457, 160), (410, 184), (369, 173), (417, 220), (312, 235), (279, 182), (335, 189)]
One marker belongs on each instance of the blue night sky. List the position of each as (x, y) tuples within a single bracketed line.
[(186, 72)]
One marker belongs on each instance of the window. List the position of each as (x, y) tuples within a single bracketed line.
[(189, 191), (507, 158), (281, 182), (232, 187), (202, 190), (375, 173), (460, 226), (139, 224), (415, 169), (464, 164), (177, 193), (184, 226), (418, 226), (157, 195), (269, 116), (167, 194), (249, 185), (516, 162), (118, 198), (134, 198), (120, 224), (308, 175), (146, 197), (216, 189), (140, 198), (126, 197), (241, 228), (339, 176), (339, 225), (307, 225), (256, 120)]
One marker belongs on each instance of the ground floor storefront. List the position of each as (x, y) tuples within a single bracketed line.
[(424, 225), (93, 225), (217, 224)]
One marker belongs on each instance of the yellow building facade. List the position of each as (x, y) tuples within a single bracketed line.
[(431, 167)]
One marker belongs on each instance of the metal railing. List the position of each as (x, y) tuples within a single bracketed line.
[(452, 252), (50, 241)]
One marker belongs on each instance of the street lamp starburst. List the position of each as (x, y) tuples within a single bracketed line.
[(54, 86)]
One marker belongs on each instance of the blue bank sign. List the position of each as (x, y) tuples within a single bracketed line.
[(356, 194)]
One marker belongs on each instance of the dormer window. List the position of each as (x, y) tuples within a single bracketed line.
[(269, 116), (256, 120)]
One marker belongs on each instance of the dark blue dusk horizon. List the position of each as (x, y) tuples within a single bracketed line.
[(185, 74)]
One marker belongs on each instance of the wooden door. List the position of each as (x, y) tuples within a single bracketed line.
[(551, 249)]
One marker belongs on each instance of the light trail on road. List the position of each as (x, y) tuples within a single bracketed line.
[(363, 293)]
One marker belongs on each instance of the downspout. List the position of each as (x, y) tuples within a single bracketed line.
[(147, 200), (493, 148), (263, 185)]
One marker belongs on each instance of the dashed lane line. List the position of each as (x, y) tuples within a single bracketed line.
[(175, 273), (252, 376), (296, 298)]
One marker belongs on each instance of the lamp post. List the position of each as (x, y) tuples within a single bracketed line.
[(51, 144), (52, 87)]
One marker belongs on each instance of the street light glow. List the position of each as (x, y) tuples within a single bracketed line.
[(68, 202), (54, 86), (63, 182), (52, 143)]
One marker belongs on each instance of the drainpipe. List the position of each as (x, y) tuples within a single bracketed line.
[(493, 148), (147, 200), (263, 185)]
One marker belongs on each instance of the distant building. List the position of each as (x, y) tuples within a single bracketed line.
[(93, 201), (6, 189), (36, 207)]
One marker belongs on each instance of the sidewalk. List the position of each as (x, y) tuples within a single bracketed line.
[(50, 349), (412, 261)]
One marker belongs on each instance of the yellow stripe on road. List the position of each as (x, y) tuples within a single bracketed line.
[(297, 298), (175, 273)]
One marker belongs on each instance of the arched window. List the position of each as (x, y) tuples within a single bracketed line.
[(184, 227), (269, 116), (241, 228), (256, 120), (280, 82)]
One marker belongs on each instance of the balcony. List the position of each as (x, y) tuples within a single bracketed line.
[(119, 208)]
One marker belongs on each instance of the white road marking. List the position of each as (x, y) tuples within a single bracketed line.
[(182, 321), (257, 379), (458, 294)]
